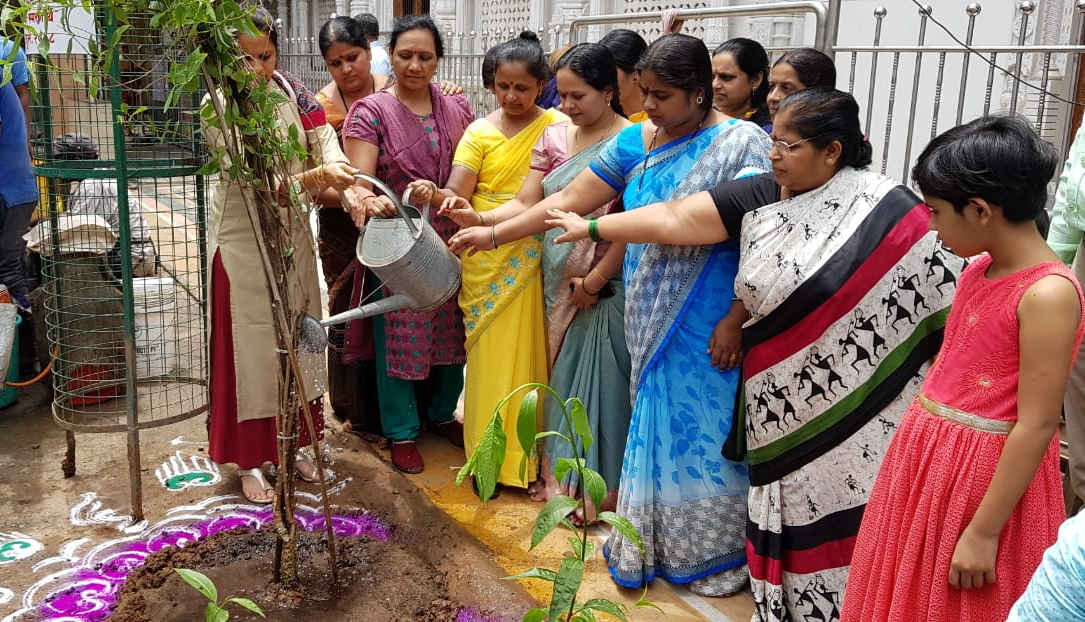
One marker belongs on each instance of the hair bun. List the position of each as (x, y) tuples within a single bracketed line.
[(530, 36)]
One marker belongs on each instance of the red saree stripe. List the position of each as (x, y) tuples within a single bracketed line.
[(314, 119), (896, 244), (833, 554)]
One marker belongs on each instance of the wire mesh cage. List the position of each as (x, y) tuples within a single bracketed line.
[(120, 233)]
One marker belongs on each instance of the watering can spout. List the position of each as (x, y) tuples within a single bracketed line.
[(384, 305)]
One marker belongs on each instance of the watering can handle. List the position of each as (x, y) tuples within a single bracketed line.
[(415, 231)]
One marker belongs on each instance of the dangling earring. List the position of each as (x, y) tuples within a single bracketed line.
[(830, 161)]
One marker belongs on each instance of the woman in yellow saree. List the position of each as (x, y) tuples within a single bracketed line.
[(501, 297)]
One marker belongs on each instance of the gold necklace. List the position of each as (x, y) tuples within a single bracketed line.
[(652, 145), (607, 134)]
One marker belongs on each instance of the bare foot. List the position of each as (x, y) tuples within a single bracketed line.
[(546, 487), (610, 503)]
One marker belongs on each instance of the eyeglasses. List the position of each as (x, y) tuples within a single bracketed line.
[(785, 148)]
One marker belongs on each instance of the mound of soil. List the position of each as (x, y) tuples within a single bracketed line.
[(378, 581), (428, 569)]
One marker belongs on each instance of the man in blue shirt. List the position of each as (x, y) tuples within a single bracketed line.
[(379, 62), (19, 189)]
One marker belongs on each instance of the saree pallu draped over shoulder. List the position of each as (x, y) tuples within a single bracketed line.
[(849, 293), (501, 295), (687, 503)]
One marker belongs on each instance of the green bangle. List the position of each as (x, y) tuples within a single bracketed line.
[(593, 230)]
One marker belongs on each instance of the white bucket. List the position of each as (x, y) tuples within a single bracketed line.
[(155, 317)]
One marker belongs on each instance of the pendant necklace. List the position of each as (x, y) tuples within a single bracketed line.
[(652, 145)]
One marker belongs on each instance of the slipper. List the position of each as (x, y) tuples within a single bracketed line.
[(258, 475), (309, 473)]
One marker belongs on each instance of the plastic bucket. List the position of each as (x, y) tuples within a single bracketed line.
[(155, 319), (10, 395)]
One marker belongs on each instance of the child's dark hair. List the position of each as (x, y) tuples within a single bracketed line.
[(626, 46), (524, 49), (407, 23), (997, 158), (594, 64), (341, 30), (821, 115), (813, 67), (752, 59), (681, 61)]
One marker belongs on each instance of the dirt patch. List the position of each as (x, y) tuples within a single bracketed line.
[(378, 581)]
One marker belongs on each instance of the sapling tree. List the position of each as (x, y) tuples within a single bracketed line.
[(484, 464)]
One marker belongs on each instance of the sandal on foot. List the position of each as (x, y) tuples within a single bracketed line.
[(308, 473), (258, 475), (405, 457)]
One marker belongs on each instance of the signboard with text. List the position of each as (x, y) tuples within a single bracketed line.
[(61, 27)]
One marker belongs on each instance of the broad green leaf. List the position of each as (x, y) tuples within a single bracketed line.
[(624, 527), (467, 469), (583, 615), (43, 46), (578, 546), (544, 574), (527, 422), (552, 513), (579, 415), (199, 581), (214, 613), (564, 465), (248, 604), (535, 615), (566, 586), (594, 484), (608, 607), (491, 453)]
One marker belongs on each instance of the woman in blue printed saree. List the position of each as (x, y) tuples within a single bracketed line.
[(688, 505)]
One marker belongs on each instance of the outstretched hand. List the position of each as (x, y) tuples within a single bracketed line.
[(459, 210), (576, 227), (471, 240)]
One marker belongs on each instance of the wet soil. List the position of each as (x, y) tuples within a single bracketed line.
[(378, 581)]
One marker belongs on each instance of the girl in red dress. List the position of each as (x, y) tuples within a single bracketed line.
[(969, 494)]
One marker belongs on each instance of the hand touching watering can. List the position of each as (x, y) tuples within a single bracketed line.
[(419, 192)]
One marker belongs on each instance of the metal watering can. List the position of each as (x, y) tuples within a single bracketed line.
[(409, 258)]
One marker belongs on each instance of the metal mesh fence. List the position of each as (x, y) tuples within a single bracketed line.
[(120, 235)]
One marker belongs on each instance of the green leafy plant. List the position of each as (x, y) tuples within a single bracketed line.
[(484, 465), (215, 611)]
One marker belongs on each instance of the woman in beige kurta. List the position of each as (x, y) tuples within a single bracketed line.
[(245, 355)]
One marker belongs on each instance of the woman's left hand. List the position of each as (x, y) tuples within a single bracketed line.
[(338, 175), (582, 299), (472, 240), (576, 228), (725, 345), (449, 88), (973, 561)]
